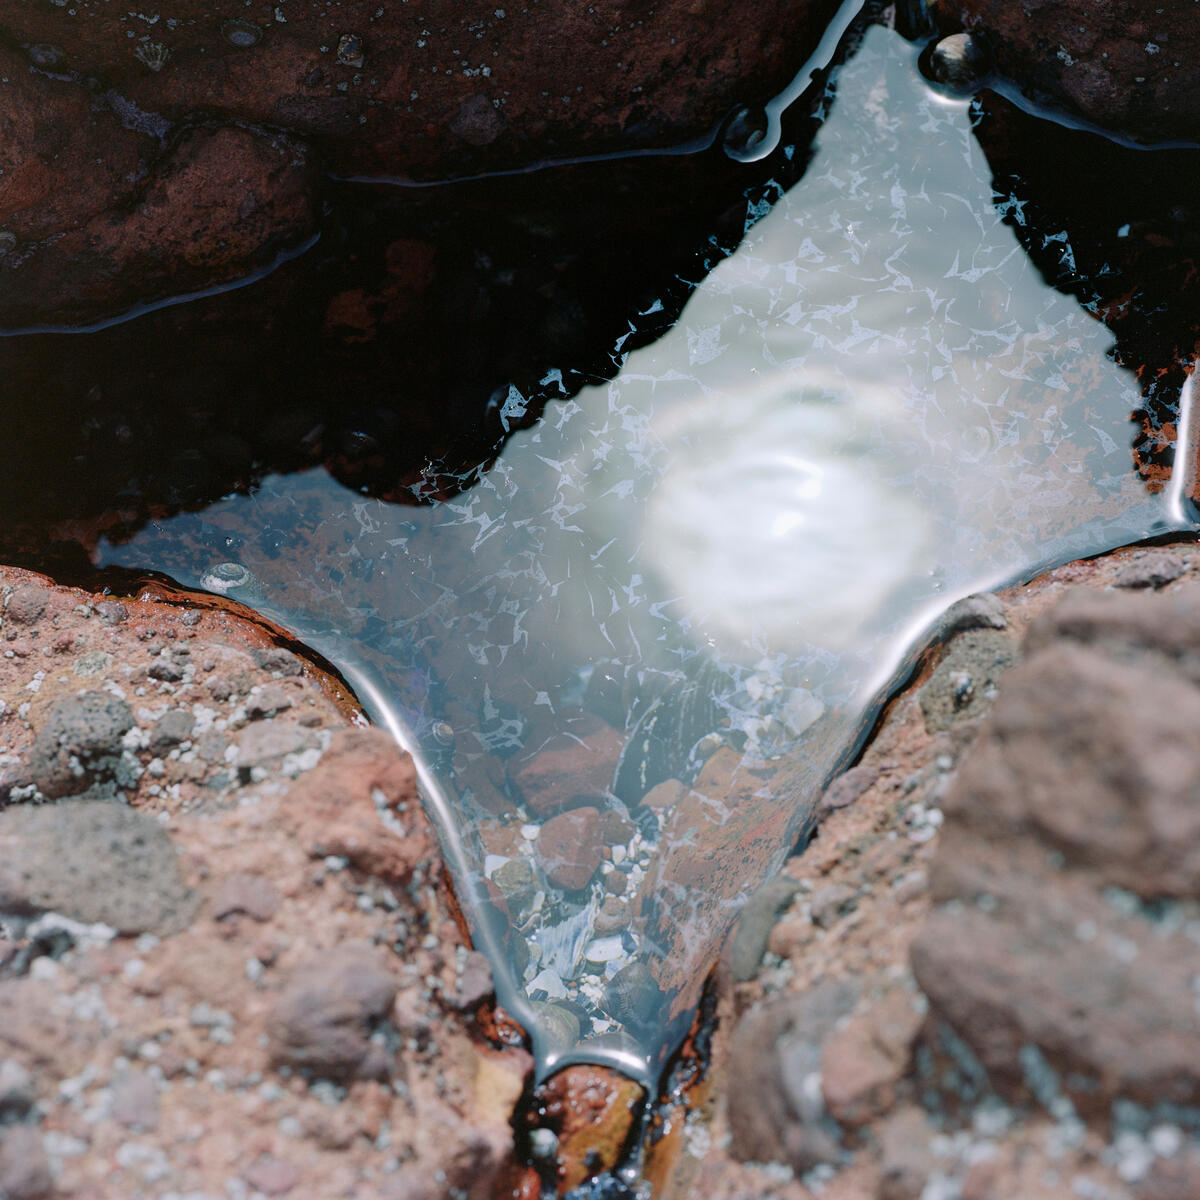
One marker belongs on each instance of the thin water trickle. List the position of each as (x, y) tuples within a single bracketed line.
[(628, 658)]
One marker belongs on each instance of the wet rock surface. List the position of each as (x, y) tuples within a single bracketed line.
[(185, 143), (1123, 68)]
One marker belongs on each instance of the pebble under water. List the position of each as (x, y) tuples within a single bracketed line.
[(627, 660)]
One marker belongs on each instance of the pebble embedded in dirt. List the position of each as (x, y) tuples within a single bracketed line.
[(81, 747), (323, 1020)]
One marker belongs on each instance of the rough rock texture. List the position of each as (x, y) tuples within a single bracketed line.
[(197, 121), (1019, 981), (216, 206), (93, 862), (1077, 806), (1126, 67), (303, 1031), (592, 1112)]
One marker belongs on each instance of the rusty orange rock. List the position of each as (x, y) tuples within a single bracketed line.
[(593, 1111)]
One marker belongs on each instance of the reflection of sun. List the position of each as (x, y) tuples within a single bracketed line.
[(776, 521)]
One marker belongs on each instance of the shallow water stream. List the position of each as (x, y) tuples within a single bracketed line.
[(627, 660)]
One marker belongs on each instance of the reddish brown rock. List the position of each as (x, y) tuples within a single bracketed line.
[(322, 1022), (24, 1166), (224, 203), (1172, 1179), (908, 1161), (98, 145), (574, 764), (273, 1176), (715, 838), (1127, 68), (863, 1061), (569, 847), (332, 809), (776, 1112), (592, 1110), (1082, 781), (1096, 756), (244, 893)]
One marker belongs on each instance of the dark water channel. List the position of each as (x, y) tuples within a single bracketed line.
[(627, 653)]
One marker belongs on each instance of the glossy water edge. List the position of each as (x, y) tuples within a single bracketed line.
[(722, 560)]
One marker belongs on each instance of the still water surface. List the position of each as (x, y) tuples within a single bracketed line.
[(695, 583)]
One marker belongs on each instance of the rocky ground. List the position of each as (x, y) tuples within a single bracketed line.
[(245, 976), (247, 980), (979, 981)]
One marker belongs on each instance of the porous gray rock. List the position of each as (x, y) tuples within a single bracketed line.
[(94, 862), (80, 746), (755, 924), (964, 683)]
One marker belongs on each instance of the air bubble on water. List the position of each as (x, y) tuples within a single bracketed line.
[(226, 577), (958, 63), (750, 134)]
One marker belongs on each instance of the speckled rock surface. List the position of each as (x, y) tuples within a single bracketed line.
[(292, 1009), (1018, 987)]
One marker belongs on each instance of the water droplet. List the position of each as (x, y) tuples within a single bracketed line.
[(959, 63), (746, 135), (225, 577), (242, 34)]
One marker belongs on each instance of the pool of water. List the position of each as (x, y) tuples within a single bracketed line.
[(627, 659)]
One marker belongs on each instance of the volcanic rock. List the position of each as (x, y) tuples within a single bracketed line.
[(573, 765), (80, 745), (150, 160), (1075, 808), (94, 861), (569, 847)]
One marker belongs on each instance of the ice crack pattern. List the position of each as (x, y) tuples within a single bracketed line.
[(629, 657)]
